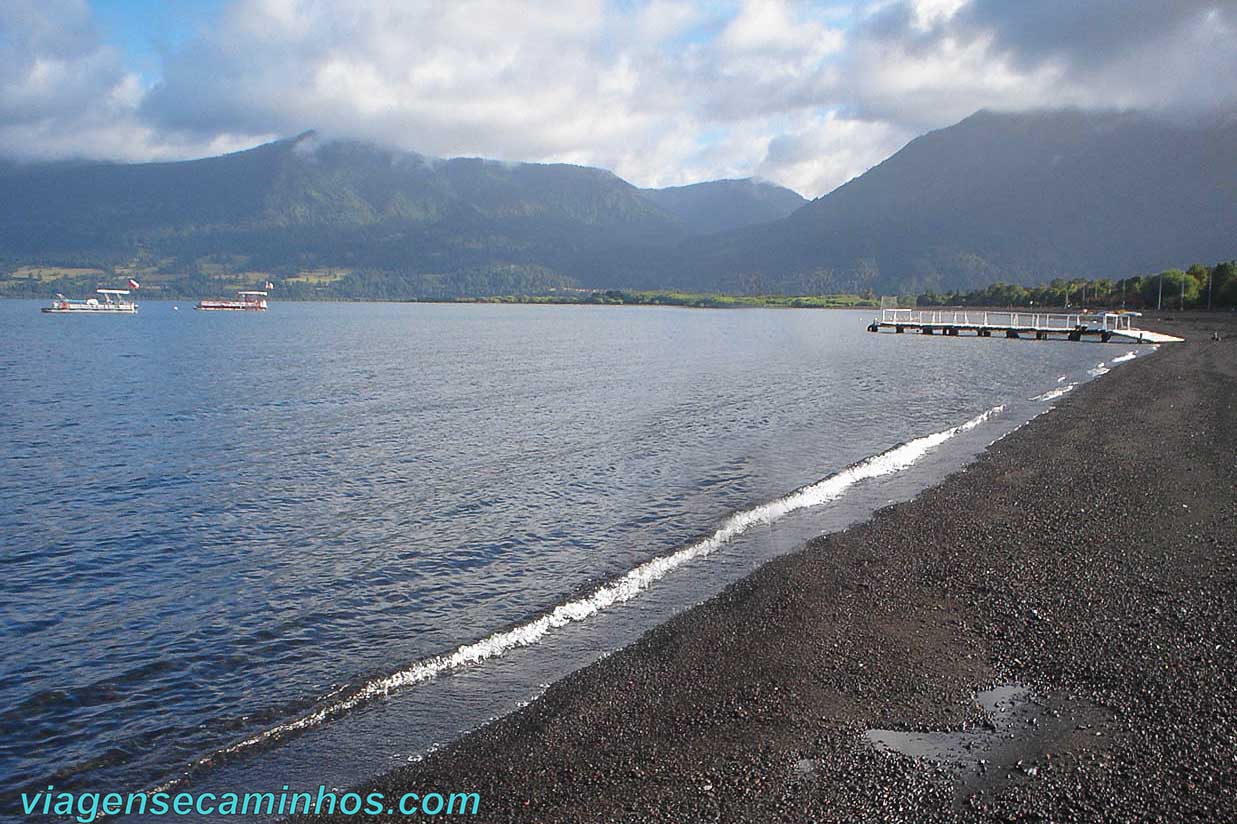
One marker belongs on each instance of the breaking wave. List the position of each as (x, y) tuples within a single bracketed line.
[(1053, 394), (616, 591)]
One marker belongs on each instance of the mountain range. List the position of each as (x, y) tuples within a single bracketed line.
[(1021, 198)]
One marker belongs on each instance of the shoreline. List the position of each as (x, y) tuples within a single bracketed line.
[(1191, 314), (1043, 564)]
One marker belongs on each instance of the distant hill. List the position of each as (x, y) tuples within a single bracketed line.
[(722, 205), (400, 224), (1020, 198), (439, 225)]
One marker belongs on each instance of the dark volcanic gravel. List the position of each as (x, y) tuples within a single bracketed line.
[(1088, 557)]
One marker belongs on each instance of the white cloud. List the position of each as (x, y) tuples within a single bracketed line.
[(930, 13), (64, 93), (662, 19), (771, 27), (926, 63), (925, 89), (823, 152), (662, 92)]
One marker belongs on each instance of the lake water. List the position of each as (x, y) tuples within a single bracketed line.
[(306, 546)]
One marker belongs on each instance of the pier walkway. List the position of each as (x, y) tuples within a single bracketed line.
[(1039, 325)]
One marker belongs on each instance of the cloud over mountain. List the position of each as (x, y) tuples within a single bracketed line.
[(662, 92)]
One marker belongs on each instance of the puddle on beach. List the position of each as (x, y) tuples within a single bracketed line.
[(1018, 737)]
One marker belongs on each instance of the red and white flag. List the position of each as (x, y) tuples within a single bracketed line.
[(133, 284)]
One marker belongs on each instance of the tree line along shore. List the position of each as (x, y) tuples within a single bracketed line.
[(1198, 287)]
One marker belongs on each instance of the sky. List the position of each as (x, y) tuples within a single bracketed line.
[(662, 92)]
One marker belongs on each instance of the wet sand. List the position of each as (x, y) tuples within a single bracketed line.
[(1084, 567)]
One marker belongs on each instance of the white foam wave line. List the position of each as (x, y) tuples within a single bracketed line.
[(1097, 370), (625, 587), (1062, 379), (1053, 394), (1045, 410), (1123, 358)]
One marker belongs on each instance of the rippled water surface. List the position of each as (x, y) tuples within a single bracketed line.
[(261, 533)]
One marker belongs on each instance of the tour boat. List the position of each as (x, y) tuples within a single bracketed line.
[(249, 301), (114, 301)]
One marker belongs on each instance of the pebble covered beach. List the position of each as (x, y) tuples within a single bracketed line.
[(1045, 636)]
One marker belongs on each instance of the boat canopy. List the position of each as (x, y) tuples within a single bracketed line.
[(263, 294), (112, 291)]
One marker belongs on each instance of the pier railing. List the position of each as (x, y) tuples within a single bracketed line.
[(1005, 320)]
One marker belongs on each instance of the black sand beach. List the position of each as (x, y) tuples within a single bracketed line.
[(1085, 565)]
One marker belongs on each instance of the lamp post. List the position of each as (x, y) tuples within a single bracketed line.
[(1159, 299)]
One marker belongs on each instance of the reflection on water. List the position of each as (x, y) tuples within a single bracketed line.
[(1015, 740)]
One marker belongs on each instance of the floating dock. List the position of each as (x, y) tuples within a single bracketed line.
[(1038, 325)]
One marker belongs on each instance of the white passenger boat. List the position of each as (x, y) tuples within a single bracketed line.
[(110, 301), (249, 301)]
